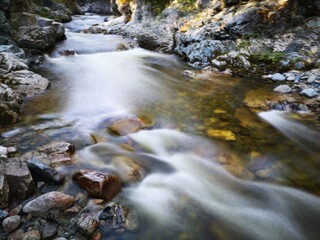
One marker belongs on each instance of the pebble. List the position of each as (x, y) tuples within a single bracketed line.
[(11, 223), (309, 92), (278, 77), (283, 89)]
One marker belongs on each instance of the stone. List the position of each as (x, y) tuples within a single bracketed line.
[(309, 92), (97, 184), (60, 31), (39, 38), (8, 63), (32, 235), (126, 126), (19, 177), (3, 214), (46, 172), (218, 63), (47, 202), (48, 231), (278, 77), (311, 79), (87, 224), (127, 170), (4, 191), (16, 210), (17, 235), (221, 134), (189, 74), (11, 223), (283, 89)]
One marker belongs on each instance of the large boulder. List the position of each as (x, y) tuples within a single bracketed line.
[(97, 184), (47, 202), (9, 62), (39, 38)]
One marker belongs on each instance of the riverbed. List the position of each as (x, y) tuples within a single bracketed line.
[(212, 168)]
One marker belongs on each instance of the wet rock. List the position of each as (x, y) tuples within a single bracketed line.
[(45, 171), (19, 177), (47, 202), (44, 22), (189, 74), (68, 53), (218, 64), (4, 192), (221, 134), (26, 83), (11, 223), (309, 92), (278, 77), (49, 231), (39, 38), (87, 224), (127, 170), (32, 235), (9, 63), (17, 235), (97, 184), (126, 126), (311, 79), (3, 214), (60, 31), (283, 89), (57, 153)]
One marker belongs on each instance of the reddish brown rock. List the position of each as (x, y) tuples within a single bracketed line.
[(48, 201), (98, 185), (126, 126)]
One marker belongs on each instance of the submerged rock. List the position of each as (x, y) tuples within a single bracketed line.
[(47, 202), (127, 169), (97, 184), (87, 224), (126, 126)]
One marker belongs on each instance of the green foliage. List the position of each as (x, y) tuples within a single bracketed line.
[(268, 57), (158, 5)]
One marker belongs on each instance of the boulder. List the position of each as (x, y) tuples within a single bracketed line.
[(19, 177), (97, 184), (283, 89), (49, 231), (9, 62), (126, 126), (87, 224), (44, 171), (47, 202), (309, 92), (278, 77), (39, 38), (11, 223), (32, 235), (4, 192)]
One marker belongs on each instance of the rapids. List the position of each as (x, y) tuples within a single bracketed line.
[(187, 191)]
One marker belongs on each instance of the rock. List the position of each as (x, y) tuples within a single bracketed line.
[(87, 224), (11, 223), (99, 185), (60, 31), (127, 169), (3, 214), (278, 77), (3, 150), (283, 89), (126, 126), (311, 79), (17, 235), (44, 22), (218, 64), (45, 171), (57, 153), (47, 202), (11, 150), (132, 221), (19, 177), (26, 83), (9, 62), (221, 134), (39, 38), (4, 192), (32, 235), (68, 53), (309, 92), (189, 74), (48, 231), (16, 210)]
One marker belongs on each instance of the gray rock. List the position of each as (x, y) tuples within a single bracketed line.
[(218, 63), (47, 202), (4, 192), (37, 37), (87, 224), (32, 235), (45, 171), (49, 231), (299, 65), (19, 177), (189, 74), (3, 150), (11, 223), (60, 31), (9, 62), (3, 214), (311, 79), (17, 235), (283, 89), (309, 92), (44, 22), (278, 77)]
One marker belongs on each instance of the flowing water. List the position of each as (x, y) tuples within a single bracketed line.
[(264, 184)]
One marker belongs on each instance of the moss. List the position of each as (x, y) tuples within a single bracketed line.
[(268, 57)]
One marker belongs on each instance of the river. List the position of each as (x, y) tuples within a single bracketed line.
[(264, 184)]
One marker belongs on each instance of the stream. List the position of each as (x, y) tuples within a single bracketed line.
[(264, 184)]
